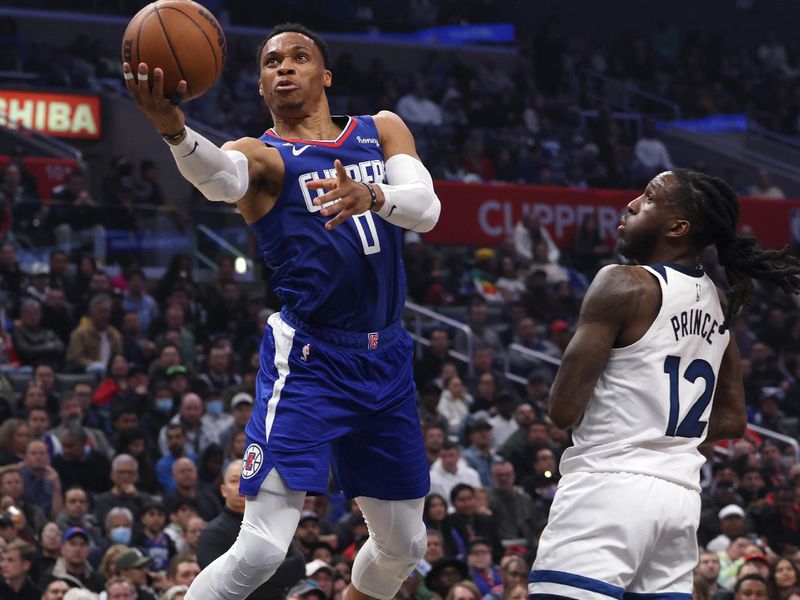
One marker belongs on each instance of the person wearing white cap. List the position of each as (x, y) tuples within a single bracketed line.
[(732, 525), (241, 410), (322, 574)]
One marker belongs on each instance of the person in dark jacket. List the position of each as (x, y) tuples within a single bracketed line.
[(221, 532)]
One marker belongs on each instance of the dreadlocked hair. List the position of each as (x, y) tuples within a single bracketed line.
[(712, 208)]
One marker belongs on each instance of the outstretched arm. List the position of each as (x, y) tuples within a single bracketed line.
[(612, 299), (234, 173)]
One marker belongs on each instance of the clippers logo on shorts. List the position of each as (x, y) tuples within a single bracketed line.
[(373, 341), (305, 352), (251, 463)]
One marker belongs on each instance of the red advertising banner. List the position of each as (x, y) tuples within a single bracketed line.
[(49, 172), (59, 115), (485, 214)]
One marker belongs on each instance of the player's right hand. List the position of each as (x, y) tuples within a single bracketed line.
[(162, 112)]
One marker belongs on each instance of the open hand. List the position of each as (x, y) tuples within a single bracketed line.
[(163, 112), (345, 197)]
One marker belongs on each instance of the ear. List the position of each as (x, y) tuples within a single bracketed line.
[(327, 78), (679, 228), (260, 89)]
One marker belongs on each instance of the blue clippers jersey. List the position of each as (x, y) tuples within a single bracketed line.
[(351, 278)]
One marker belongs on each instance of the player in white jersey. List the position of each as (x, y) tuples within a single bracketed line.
[(651, 374)]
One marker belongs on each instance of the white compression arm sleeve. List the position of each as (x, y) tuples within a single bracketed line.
[(221, 175), (410, 201)]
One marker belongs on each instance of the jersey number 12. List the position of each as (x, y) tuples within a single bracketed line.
[(691, 425)]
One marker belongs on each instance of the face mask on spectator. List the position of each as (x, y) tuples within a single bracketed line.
[(164, 404), (121, 535), (214, 408)]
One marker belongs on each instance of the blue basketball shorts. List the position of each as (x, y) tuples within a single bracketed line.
[(339, 401)]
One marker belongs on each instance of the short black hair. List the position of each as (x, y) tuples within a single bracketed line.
[(751, 577), (296, 28)]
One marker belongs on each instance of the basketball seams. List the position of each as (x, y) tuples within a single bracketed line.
[(196, 24), (172, 49)]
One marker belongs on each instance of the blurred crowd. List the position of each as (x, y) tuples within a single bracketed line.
[(515, 118), (123, 401), (123, 397)]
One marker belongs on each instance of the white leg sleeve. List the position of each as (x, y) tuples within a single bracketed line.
[(397, 542), (270, 520)]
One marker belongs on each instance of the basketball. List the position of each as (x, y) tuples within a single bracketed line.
[(181, 37)]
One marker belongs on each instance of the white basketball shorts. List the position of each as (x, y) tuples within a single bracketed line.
[(618, 535)]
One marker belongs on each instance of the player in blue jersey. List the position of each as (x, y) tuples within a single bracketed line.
[(327, 199)]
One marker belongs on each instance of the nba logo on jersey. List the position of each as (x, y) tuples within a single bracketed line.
[(251, 463), (373, 341)]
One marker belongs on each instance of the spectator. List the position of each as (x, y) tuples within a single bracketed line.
[(17, 559), (191, 535), (537, 436), (305, 589), (730, 561), (136, 299), (514, 511), (76, 514), (541, 484), (528, 232), (433, 357), (513, 574), (71, 413), (73, 213), (524, 415), (32, 342), (433, 440), (764, 189), (80, 466), (502, 422), (525, 335), (751, 587), (183, 568), (465, 524), (152, 538), (11, 486), (445, 573), (483, 572), (176, 448), (73, 564), (132, 567), (218, 376), (55, 590), (783, 578), (479, 455), (417, 109), (651, 154), (38, 424), (186, 486), (322, 574), (41, 483), (50, 550), (123, 588), (198, 434), (14, 438), (454, 403), (707, 571), (118, 527), (242, 410), (450, 470), (306, 536), (23, 204), (483, 336), (780, 522), (732, 524), (91, 345), (123, 492), (115, 382)]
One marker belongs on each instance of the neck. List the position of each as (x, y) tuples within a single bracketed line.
[(317, 126), (16, 583), (75, 568), (186, 490)]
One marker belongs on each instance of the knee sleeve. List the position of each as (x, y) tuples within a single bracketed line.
[(268, 526), (397, 542)]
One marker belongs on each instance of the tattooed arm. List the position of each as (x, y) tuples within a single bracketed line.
[(618, 308)]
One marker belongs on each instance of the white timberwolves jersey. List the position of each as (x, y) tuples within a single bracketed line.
[(650, 407)]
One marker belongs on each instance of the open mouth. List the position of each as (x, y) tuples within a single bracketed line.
[(286, 85)]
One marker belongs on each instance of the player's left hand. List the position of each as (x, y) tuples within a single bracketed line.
[(344, 196)]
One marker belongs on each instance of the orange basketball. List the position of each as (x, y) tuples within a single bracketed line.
[(180, 36)]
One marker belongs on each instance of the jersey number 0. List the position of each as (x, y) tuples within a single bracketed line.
[(691, 425), (369, 236)]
